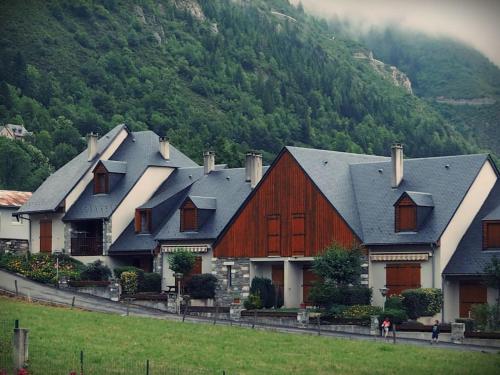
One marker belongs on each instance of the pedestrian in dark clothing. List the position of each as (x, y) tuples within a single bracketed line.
[(435, 333)]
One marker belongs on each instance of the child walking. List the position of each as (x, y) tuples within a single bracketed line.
[(385, 327), (435, 332)]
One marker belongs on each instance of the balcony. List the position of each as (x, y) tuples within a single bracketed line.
[(86, 246)]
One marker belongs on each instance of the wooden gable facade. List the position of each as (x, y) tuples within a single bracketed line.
[(285, 216)]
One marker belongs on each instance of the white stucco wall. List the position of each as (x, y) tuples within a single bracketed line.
[(465, 213), (82, 184), (142, 191), (57, 231), (293, 284), (10, 228)]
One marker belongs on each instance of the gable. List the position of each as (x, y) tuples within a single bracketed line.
[(285, 192)]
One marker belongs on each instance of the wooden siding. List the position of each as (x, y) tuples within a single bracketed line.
[(491, 235), (402, 276), (405, 215), (286, 192), (472, 292)]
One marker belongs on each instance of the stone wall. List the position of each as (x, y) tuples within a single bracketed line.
[(67, 237), (240, 279), (107, 236), (18, 247)]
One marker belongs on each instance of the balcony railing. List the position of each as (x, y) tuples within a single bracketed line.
[(84, 246)]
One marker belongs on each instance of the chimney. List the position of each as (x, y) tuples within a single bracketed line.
[(208, 161), (165, 148), (92, 145), (253, 168), (397, 164)]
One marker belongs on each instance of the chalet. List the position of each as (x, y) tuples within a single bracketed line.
[(13, 131), (84, 207), (413, 217), (188, 212), (14, 232)]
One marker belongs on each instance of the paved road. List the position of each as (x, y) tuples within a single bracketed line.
[(49, 294)]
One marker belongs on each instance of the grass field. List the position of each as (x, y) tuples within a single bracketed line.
[(114, 344)]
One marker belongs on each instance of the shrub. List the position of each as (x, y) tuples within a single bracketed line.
[(253, 302), (394, 302), (422, 302), (181, 261), (336, 311), (327, 295), (361, 311), (394, 315), (150, 283), (339, 265), (119, 270), (96, 271), (480, 313), (264, 288), (129, 282), (202, 286), (469, 324)]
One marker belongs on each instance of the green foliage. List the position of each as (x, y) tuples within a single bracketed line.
[(395, 316), (491, 273), (265, 290), (394, 302), (486, 317), (150, 283), (96, 271), (129, 282), (422, 302), (253, 302), (202, 286), (119, 270), (259, 82), (181, 261), (361, 311), (338, 266), (326, 295), (42, 267)]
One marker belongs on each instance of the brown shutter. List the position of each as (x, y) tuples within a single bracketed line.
[(491, 235), (46, 236), (137, 221), (405, 215), (298, 234), (402, 276), (273, 235), (149, 219), (471, 292)]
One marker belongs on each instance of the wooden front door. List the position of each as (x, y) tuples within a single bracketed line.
[(278, 278), (472, 292), (308, 280), (401, 276), (46, 236)]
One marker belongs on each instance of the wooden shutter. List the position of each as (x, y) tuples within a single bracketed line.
[(491, 235), (149, 219), (472, 292), (405, 215), (298, 234), (197, 266), (273, 235), (308, 280), (46, 236), (137, 221), (402, 276)]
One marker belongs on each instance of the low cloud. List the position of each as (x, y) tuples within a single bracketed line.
[(475, 22)]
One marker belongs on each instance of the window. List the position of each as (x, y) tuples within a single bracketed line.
[(405, 216), (229, 276), (298, 234), (273, 235), (189, 217), (402, 276), (491, 235), (143, 222), (101, 183)]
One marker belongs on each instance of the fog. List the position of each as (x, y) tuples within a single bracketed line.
[(475, 22)]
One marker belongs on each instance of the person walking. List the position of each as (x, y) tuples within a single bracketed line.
[(385, 327), (435, 332)]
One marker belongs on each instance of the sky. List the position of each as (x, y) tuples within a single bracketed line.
[(476, 22)]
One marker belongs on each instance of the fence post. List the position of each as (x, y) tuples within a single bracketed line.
[(254, 318), (81, 362), (73, 302), (20, 347), (318, 320), (147, 367), (216, 312), (394, 334), (15, 284)]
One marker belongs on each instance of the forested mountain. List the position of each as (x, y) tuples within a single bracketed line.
[(229, 75), (460, 82)]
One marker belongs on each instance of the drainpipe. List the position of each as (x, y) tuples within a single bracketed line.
[(443, 281), (433, 266)]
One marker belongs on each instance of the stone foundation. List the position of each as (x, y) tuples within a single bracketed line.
[(107, 236), (240, 279), (18, 247)]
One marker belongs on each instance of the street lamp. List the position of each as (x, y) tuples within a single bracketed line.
[(178, 276), (384, 291), (57, 253)]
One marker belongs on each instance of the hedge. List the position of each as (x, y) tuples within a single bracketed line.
[(422, 302), (202, 286), (395, 316), (327, 295)]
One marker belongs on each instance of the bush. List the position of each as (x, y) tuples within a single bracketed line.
[(361, 311), (485, 317), (253, 302), (140, 273), (264, 288), (96, 271), (181, 261), (335, 311), (129, 282), (327, 295), (202, 286), (150, 283), (394, 315), (394, 302), (422, 302)]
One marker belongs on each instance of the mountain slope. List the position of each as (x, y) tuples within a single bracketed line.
[(227, 75)]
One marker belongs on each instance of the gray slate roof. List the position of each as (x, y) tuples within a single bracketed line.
[(113, 166), (470, 258), (139, 150), (375, 197), (59, 184), (204, 203), (329, 170), (421, 199), (227, 187)]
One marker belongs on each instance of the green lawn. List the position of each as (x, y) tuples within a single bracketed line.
[(114, 342)]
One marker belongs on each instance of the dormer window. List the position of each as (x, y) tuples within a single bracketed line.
[(106, 174), (406, 215), (189, 217), (101, 182), (143, 220), (491, 235)]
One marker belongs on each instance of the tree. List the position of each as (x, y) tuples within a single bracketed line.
[(339, 266), (181, 261)]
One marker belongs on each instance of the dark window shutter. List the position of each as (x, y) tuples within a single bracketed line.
[(491, 235), (273, 235), (137, 221)]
